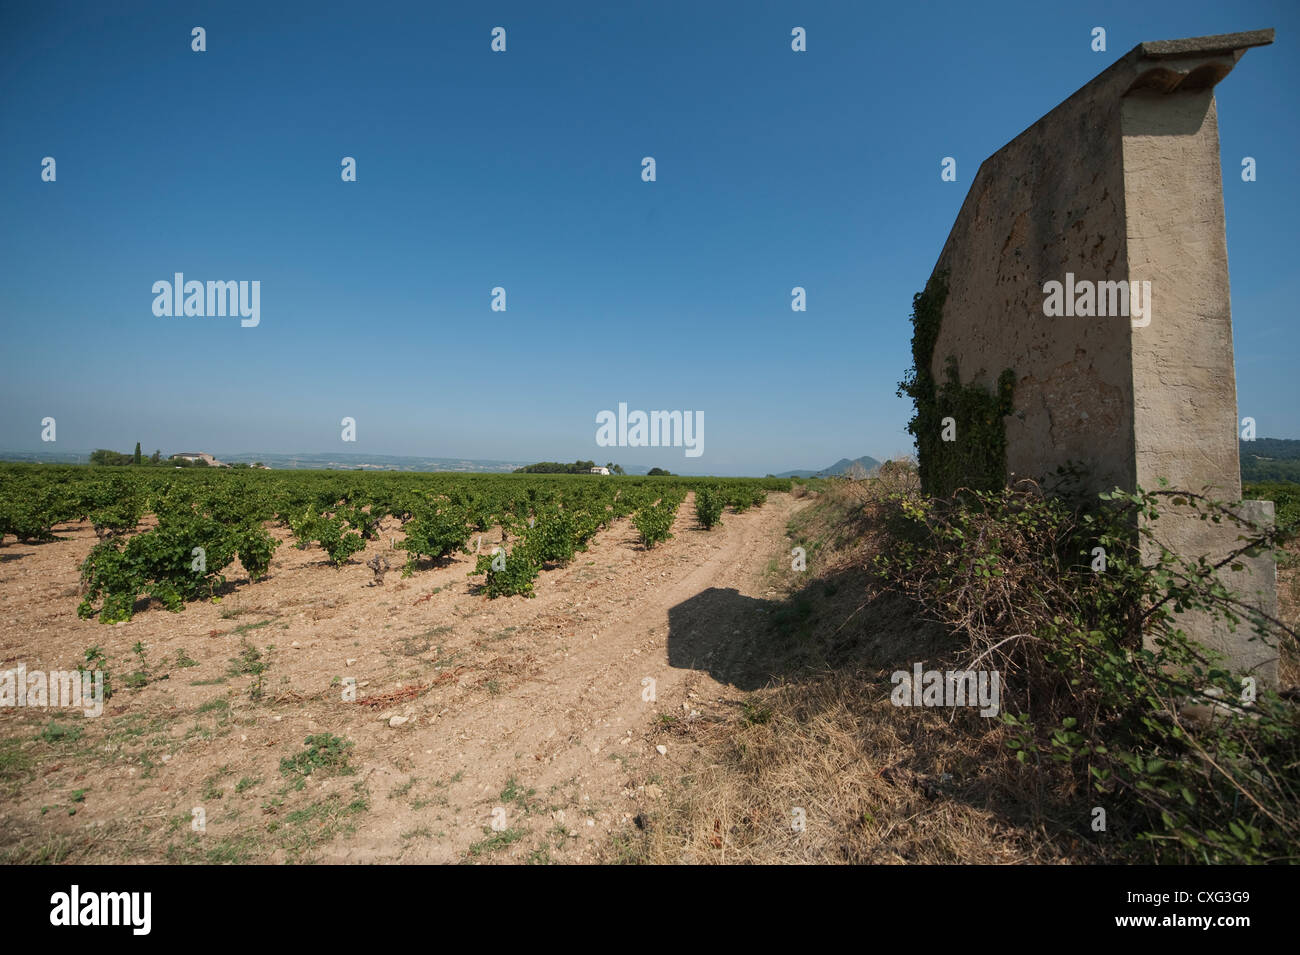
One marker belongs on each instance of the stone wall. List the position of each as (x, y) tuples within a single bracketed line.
[(1119, 183)]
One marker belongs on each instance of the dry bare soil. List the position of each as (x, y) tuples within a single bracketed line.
[(532, 713)]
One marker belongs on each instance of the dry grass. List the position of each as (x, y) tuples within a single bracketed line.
[(877, 784)]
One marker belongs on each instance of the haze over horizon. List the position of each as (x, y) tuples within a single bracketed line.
[(522, 170), (402, 462)]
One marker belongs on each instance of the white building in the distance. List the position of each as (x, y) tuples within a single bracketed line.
[(203, 456)]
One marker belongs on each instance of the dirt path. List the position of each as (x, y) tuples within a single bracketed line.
[(530, 706), (567, 730)]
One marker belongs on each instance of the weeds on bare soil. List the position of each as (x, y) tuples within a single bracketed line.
[(324, 753), (251, 662), (494, 841)]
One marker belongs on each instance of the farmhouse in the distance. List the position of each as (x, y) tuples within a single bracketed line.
[(195, 456), (600, 470)]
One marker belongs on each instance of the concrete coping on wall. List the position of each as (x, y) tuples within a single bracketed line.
[(1206, 45), (1189, 64), (1196, 63)]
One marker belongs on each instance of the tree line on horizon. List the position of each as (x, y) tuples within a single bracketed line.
[(577, 467)]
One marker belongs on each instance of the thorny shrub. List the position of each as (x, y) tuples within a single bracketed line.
[(1103, 688)]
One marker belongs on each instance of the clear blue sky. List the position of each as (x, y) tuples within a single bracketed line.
[(522, 170)]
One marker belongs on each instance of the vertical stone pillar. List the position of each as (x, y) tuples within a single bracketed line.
[(1184, 381)]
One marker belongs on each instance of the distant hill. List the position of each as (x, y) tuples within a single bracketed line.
[(868, 463), (1270, 459), (1264, 459)]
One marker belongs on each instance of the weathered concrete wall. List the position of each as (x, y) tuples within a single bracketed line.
[(1119, 183), (1049, 202)]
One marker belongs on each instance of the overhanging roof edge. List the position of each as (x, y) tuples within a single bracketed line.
[(1205, 45)]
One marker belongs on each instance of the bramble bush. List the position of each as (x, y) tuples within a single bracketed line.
[(1103, 689)]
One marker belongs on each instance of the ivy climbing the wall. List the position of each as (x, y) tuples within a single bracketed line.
[(975, 454)]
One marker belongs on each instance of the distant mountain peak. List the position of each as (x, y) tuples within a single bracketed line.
[(842, 466)]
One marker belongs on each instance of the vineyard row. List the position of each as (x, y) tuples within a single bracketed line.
[(205, 520)]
